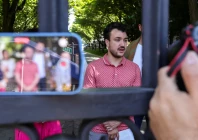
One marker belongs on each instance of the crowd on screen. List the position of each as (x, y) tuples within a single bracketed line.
[(34, 72)]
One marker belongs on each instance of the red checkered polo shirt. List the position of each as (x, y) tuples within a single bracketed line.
[(102, 74)]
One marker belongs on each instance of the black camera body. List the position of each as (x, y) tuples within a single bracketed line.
[(178, 50)]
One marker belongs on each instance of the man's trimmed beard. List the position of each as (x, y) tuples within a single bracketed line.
[(114, 54)]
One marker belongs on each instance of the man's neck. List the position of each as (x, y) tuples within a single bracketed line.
[(114, 61), (140, 42), (26, 60)]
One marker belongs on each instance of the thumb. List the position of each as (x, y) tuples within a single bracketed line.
[(189, 72)]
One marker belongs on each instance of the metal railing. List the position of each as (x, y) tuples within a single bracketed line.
[(53, 17)]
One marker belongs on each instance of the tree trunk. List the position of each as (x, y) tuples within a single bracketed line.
[(6, 6), (9, 14), (193, 10), (11, 23)]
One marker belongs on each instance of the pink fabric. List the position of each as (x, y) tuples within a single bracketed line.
[(45, 130), (2, 89), (102, 74), (29, 72)]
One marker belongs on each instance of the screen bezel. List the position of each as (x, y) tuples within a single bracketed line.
[(54, 34)]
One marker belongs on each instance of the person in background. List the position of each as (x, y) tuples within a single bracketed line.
[(40, 59), (8, 66), (120, 72), (62, 75), (134, 50), (3, 81), (134, 53)]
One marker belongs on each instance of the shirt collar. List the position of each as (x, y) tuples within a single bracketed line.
[(106, 60)]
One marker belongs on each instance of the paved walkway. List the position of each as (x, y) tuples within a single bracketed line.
[(91, 57)]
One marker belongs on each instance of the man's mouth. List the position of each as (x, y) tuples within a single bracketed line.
[(121, 49)]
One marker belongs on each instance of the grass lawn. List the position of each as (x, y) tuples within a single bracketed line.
[(96, 52)]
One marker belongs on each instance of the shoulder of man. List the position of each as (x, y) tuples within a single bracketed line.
[(131, 48), (134, 42), (18, 65), (19, 62), (96, 62), (131, 63)]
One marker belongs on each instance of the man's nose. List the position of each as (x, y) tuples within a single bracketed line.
[(122, 43)]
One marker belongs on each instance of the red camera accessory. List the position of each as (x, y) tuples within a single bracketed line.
[(180, 49)]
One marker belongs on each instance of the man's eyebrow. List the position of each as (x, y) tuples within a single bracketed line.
[(121, 37)]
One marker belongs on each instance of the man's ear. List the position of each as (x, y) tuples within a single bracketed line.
[(140, 27), (107, 43)]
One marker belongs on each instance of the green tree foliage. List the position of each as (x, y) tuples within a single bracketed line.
[(182, 13), (93, 15), (27, 18), (179, 17), (18, 15)]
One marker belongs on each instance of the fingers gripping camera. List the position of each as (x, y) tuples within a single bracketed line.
[(177, 52)]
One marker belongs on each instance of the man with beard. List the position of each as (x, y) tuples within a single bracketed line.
[(112, 70), (26, 71)]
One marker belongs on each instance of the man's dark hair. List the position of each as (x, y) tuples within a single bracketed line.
[(26, 46), (139, 17), (4, 51), (114, 25)]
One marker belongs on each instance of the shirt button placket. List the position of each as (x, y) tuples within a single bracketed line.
[(116, 77)]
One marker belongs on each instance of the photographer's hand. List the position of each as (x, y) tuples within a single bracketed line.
[(173, 113)]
